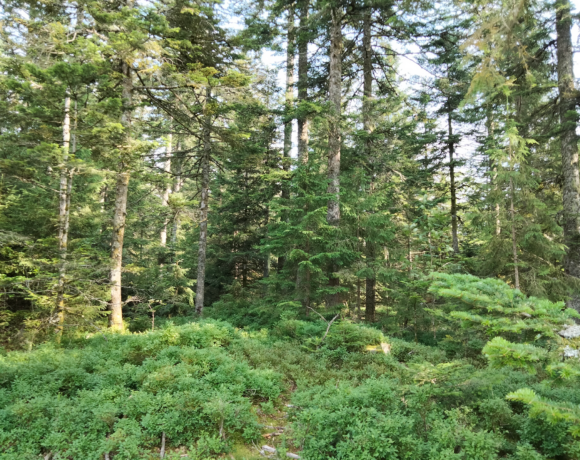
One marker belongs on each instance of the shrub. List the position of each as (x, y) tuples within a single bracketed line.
[(119, 393)]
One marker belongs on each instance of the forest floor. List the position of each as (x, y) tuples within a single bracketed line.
[(206, 390)]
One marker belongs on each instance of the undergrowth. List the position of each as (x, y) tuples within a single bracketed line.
[(211, 390)]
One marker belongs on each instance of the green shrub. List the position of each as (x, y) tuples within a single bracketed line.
[(203, 384), (376, 421), (343, 335), (352, 337), (120, 393), (408, 352)]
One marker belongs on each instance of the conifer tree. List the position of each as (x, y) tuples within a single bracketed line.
[(334, 134), (568, 143)]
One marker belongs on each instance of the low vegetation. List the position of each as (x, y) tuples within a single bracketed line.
[(206, 389)]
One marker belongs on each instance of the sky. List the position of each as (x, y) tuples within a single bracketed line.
[(408, 70), (407, 67)]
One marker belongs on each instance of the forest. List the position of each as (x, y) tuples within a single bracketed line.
[(309, 229)]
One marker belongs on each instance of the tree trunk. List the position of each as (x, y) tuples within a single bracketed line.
[(370, 300), (67, 218), (63, 217), (303, 81), (370, 289), (367, 127), (452, 189), (64, 171), (367, 77), (122, 188), (334, 140), (569, 144), (176, 189), (203, 208), (489, 125), (288, 127), (167, 191), (267, 266), (266, 271), (303, 283), (290, 60), (116, 318)]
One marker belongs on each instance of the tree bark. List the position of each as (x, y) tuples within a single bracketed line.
[(370, 305), (302, 282), (288, 127), (334, 140), (176, 189), (63, 217), (303, 81), (370, 285), (569, 144), (266, 266), (116, 318), (367, 77), (493, 167), (203, 208), (167, 191), (64, 171), (266, 272), (290, 60), (121, 190), (452, 189)]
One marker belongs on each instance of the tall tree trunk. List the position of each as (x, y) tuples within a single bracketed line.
[(266, 272), (569, 144), (203, 208), (367, 77), (71, 174), (302, 281), (65, 191), (66, 136), (452, 189), (370, 294), (176, 189), (289, 98), (121, 190), (63, 217), (120, 213), (303, 81), (492, 166), (288, 127), (512, 202), (370, 300), (334, 140), (167, 191)]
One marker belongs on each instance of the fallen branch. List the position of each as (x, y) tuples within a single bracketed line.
[(327, 322), (162, 453)]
